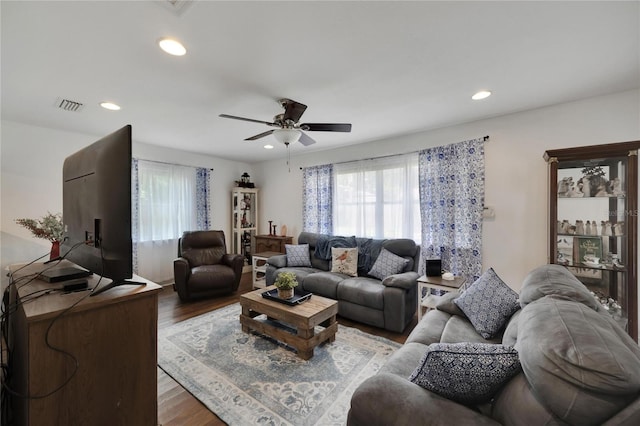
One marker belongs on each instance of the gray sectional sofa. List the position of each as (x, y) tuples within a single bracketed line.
[(577, 366), (389, 303)]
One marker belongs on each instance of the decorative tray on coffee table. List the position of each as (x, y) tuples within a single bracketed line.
[(299, 296)]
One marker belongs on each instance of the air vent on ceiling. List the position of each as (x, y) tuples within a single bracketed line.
[(69, 105), (176, 6)]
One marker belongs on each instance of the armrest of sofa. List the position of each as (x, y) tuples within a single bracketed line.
[(405, 280), (388, 399), (278, 261)]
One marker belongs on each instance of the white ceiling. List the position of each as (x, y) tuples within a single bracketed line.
[(389, 68)]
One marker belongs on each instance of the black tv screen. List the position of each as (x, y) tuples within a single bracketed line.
[(96, 208)]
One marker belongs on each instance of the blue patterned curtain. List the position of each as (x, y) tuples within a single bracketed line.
[(451, 203), (317, 199), (203, 205), (135, 212)]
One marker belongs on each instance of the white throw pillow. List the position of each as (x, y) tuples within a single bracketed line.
[(344, 261)]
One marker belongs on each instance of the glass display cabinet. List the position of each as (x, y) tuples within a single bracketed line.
[(593, 204), (244, 203)]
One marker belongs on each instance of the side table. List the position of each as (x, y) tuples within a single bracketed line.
[(435, 283), (259, 270)]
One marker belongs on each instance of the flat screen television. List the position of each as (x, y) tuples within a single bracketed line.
[(96, 208)]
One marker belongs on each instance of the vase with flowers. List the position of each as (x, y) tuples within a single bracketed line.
[(48, 227)]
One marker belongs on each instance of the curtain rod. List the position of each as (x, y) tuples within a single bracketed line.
[(171, 164), (484, 139)]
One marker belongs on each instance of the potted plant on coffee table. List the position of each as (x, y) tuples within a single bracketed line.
[(285, 283)]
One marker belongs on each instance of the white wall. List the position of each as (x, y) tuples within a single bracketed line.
[(31, 181), (516, 175), (515, 241)]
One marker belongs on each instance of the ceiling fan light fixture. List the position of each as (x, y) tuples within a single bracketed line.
[(268, 146), (483, 94), (172, 47), (287, 136)]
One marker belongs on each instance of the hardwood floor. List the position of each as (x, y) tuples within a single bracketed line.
[(176, 406)]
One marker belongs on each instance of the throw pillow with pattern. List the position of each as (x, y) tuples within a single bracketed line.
[(387, 264), (297, 255), (469, 373), (344, 261), (488, 303)]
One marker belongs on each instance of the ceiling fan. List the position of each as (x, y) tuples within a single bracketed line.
[(289, 129)]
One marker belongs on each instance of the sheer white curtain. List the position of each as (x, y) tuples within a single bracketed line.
[(166, 207), (378, 198)]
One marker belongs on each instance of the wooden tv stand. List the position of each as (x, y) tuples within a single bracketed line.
[(112, 338)]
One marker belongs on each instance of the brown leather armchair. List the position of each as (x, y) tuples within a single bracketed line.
[(204, 268)]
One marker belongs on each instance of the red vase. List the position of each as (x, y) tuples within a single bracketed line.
[(55, 250)]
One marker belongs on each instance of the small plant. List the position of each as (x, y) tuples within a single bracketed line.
[(286, 281), (49, 227)]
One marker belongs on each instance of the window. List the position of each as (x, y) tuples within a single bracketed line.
[(378, 198), (167, 199)]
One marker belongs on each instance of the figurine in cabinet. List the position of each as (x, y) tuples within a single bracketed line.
[(565, 186), (616, 187)]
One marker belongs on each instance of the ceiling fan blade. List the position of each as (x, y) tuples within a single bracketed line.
[(306, 140), (235, 117), (261, 135), (293, 110), (326, 127)]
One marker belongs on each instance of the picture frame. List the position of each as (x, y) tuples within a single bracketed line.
[(586, 249), (565, 250)]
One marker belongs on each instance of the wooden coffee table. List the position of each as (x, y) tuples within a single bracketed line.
[(302, 319)]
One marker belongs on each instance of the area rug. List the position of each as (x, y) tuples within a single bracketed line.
[(247, 379)]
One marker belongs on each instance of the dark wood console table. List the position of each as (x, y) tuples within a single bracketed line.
[(272, 243)]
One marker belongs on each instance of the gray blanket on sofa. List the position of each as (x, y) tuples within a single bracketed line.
[(368, 249)]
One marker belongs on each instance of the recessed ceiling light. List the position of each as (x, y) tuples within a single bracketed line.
[(172, 47), (110, 106), (481, 95), (268, 146)]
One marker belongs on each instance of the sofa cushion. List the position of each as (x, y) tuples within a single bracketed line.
[(344, 261), (581, 365), (516, 405), (510, 336), (387, 264), (488, 303), (555, 279), (445, 304), (323, 283), (297, 255), (469, 373), (429, 328), (362, 291), (459, 329)]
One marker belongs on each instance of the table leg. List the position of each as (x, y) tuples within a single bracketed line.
[(246, 312), (327, 324)]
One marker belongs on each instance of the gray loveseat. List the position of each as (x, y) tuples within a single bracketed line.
[(578, 366), (389, 303)]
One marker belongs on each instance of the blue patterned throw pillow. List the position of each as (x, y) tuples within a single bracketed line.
[(387, 264), (469, 373), (297, 255), (488, 303)]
